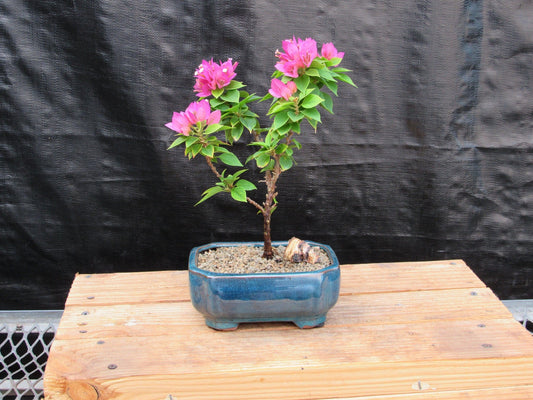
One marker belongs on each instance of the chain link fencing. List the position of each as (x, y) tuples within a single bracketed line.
[(25, 340)]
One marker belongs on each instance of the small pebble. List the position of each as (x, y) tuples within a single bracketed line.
[(249, 260)]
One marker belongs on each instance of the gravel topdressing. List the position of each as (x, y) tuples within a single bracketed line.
[(249, 260)]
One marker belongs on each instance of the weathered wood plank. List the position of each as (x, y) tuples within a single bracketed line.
[(129, 288), (152, 319), (172, 286), (407, 276), (414, 331), (308, 382), (505, 393), (257, 347)]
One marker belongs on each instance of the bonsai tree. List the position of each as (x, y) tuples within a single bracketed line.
[(300, 89)]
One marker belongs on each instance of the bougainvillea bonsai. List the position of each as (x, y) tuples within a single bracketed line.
[(210, 126)]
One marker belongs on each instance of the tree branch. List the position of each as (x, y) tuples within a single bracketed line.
[(213, 168), (255, 204)]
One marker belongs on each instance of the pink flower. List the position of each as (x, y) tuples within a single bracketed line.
[(197, 112), (279, 89), (298, 54), (211, 76), (329, 51)]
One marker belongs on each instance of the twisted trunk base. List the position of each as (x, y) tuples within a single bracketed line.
[(268, 253)]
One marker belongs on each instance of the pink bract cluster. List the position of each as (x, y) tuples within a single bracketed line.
[(197, 112), (329, 51), (299, 54), (279, 89), (212, 76)]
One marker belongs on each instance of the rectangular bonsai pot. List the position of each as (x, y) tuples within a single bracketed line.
[(226, 300)]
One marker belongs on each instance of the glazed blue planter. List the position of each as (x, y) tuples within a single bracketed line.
[(226, 300)]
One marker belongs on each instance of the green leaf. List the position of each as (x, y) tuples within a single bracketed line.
[(238, 173), (191, 140), (340, 69), (215, 102), (249, 114), (267, 96), (232, 96), (248, 122), (281, 148), (213, 128), (284, 129), (228, 181), (269, 166), (312, 114), (195, 149), (262, 159), (236, 132), (230, 159), (238, 194), (261, 144), (208, 151), (317, 63), (326, 74), (328, 102), (210, 193), (313, 123), (295, 117), (302, 82), (181, 139), (346, 78), (297, 144), (312, 72), (246, 185), (280, 119), (285, 162), (247, 98), (334, 61), (234, 85), (217, 92), (227, 134), (279, 105), (332, 86), (271, 138), (311, 101)]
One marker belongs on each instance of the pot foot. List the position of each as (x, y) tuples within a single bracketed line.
[(309, 323), (222, 326)]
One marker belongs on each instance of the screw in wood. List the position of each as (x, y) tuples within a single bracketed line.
[(419, 385), (112, 366)]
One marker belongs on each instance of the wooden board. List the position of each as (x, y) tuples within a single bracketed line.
[(428, 330)]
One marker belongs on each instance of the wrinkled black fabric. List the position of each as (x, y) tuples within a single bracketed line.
[(430, 158)]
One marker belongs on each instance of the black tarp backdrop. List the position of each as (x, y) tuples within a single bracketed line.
[(431, 158)]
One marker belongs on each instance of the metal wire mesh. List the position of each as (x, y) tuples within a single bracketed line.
[(522, 311), (25, 340)]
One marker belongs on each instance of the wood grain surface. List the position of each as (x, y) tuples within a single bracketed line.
[(421, 330)]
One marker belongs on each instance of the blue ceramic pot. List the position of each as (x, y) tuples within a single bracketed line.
[(226, 300)]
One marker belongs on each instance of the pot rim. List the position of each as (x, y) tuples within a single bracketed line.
[(194, 269)]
